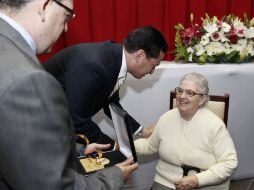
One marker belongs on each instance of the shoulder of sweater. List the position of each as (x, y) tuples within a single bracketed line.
[(210, 117), (169, 114), (205, 112)]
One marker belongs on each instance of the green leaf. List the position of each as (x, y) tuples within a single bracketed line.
[(181, 54), (202, 58), (232, 57), (252, 22), (179, 27), (210, 59), (180, 50), (228, 18), (207, 17), (246, 20)]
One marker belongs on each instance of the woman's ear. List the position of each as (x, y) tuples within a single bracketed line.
[(203, 100)]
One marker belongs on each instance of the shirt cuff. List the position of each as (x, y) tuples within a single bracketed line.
[(139, 131), (114, 147)]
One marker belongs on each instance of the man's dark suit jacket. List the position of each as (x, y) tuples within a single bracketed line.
[(88, 74)]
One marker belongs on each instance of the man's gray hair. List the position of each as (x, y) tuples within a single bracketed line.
[(13, 4)]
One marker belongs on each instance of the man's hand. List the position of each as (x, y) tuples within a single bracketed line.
[(187, 183), (147, 131), (94, 147), (127, 167)]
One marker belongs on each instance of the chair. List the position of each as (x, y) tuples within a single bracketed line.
[(217, 104)]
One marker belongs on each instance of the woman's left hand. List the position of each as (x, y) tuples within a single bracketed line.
[(187, 183)]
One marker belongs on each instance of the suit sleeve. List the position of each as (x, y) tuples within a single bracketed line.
[(38, 148), (115, 99)]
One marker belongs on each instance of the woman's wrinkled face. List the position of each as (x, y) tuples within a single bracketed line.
[(188, 103)]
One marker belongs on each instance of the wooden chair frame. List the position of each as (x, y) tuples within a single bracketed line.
[(215, 98)]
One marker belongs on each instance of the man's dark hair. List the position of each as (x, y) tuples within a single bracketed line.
[(147, 38)]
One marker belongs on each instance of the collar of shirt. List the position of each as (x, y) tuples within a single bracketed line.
[(21, 30), (123, 70)]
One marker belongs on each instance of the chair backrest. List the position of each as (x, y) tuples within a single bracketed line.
[(217, 104)]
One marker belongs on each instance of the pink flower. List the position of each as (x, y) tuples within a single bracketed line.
[(232, 31), (233, 39), (240, 32), (216, 36), (189, 33), (219, 23), (232, 36)]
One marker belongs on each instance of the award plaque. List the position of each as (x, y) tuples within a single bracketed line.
[(97, 161)]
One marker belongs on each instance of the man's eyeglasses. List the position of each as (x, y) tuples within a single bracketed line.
[(70, 13), (188, 93)]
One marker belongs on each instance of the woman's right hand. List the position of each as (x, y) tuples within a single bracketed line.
[(148, 131), (187, 183)]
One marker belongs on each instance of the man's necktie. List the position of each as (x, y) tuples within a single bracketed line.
[(119, 82)]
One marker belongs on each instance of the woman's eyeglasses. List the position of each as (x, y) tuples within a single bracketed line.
[(188, 92)]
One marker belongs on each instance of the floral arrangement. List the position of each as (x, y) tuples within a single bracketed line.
[(228, 40)]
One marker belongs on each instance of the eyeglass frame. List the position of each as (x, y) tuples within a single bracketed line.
[(71, 13), (193, 93)]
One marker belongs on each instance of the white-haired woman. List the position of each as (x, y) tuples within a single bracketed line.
[(194, 146)]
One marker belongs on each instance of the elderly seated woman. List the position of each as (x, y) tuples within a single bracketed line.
[(195, 148)]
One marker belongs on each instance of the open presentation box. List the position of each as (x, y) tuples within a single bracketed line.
[(94, 162)]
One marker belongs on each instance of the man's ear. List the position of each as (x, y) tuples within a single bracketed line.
[(140, 55), (43, 8), (141, 52)]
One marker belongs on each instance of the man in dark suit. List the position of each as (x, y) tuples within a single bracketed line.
[(37, 139), (90, 75)]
